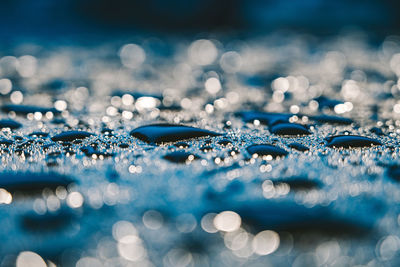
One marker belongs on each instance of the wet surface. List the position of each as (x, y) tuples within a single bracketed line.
[(272, 151)]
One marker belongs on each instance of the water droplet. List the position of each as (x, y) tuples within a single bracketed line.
[(164, 133), (181, 145), (180, 157), (31, 182), (349, 141), (225, 142), (289, 129), (71, 136), (331, 119), (207, 148), (298, 147), (24, 109), (264, 117), (8, 123), (299, 183), (92, 152), (266, 150), (39, 134), (123, 145)]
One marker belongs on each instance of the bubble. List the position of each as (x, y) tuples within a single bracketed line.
[(178, 258)]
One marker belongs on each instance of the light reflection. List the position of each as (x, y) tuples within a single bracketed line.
[(53, 203), (207, 223), (227, 221), (395, 64), (146, 102), (5, 86), (388, 247), (60, 105), (27, 66), (202, 52), (127, 99), (88, 262), (152, 219), (266, 242), (186, 223), (29, 258), (75, 200), (281, 84), (236, 240), (350, 90), (123, 228), (132, 55), (130, 247), (17, 97), (212, 85), (5, 197), (231, 62), (327, 252)]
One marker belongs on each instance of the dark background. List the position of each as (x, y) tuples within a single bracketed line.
[(53, 19)]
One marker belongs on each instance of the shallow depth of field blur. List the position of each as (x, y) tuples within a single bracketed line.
[(199, 133)]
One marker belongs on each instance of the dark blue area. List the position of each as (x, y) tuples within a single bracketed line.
[(266, 149), (29, 182), (25, 109), (71, 136), (289, 129), (48, 19), (164, 133), (348, 141)]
